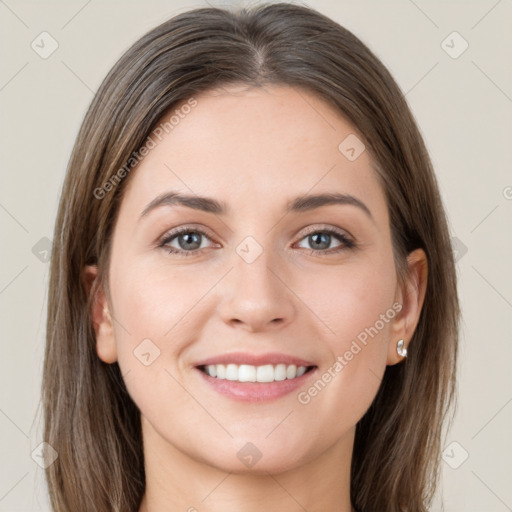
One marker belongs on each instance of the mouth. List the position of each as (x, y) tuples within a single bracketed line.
[(250, 373), (255, 384)]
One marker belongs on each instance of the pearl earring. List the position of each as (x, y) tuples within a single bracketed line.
[(401, 349)]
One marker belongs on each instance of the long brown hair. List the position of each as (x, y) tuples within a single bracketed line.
[(89, 418)]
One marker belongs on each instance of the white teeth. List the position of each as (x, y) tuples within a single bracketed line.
[(250, 373), (301, 371), (232, 372), (291, 371), (246, 373)]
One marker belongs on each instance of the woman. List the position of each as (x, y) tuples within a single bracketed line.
[(253, 301)]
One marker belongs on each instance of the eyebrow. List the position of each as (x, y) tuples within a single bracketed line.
[(299, 204)]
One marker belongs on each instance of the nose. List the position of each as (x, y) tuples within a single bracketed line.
[(255, 295)]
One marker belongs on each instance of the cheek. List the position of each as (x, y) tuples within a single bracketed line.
[(350, 299), (356, 305), (152, 299), (151, 320), (156, 311)]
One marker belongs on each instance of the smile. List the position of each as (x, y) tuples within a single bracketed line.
[(249, 383), (250, 373)]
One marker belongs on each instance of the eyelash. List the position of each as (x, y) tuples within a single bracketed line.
[(346, 243)]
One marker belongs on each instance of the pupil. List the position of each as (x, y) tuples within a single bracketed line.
[(318, 242), (188, 237)]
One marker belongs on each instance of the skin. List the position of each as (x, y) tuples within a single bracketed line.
[(254, 149)]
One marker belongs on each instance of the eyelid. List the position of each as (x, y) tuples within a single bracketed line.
[(171, 232), (184, 228), (326, 227), (346, 240)]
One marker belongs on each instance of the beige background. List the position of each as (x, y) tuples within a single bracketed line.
[(463, 106)]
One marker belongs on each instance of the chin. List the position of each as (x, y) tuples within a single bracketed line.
[(255, 459)]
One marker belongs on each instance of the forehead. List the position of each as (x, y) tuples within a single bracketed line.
[(247, 146)]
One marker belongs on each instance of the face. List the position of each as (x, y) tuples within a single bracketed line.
[(257, 270)]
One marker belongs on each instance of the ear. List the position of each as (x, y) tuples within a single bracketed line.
[(411, 297), (101, 317)]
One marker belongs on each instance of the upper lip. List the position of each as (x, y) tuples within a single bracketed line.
[(255, 359)]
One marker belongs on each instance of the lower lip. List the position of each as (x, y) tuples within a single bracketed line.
[(256, 391)]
